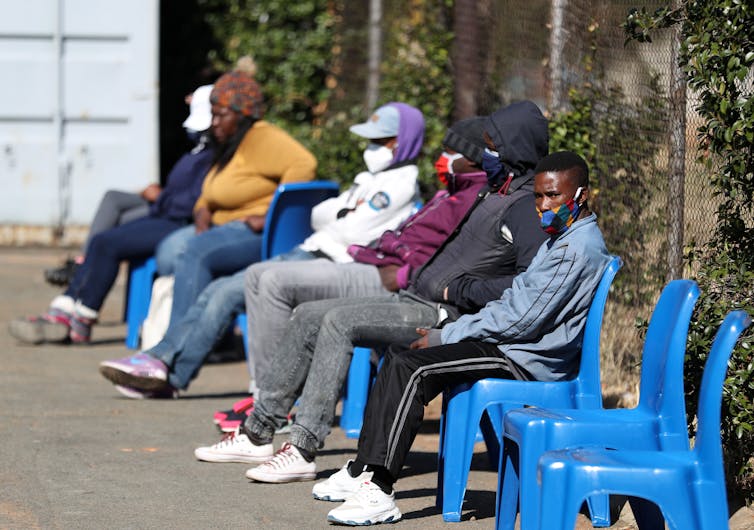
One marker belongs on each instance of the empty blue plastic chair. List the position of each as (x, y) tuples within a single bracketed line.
[(287, 224), (485, 402), (687, 485), (657, 422)]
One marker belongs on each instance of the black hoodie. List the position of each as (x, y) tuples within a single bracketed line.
[(500, 235)]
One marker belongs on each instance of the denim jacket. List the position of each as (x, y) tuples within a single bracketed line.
[(539, 322)]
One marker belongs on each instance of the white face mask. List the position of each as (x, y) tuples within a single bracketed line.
[(377, 157)]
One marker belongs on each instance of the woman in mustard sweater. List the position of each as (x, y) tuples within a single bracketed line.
[(254, 157)]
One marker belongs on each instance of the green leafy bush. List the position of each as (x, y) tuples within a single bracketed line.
[(717, 54), (301, 48), (726, 286), (416, 70), (295, 46)]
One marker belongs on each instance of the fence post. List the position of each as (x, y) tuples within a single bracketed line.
[(557, 44), (677, 159), (375, 53)]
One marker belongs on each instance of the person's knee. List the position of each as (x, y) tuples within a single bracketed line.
[(99, 245), (169, 251), (274, 284), (398, 359), (225, 295), (339, 322), (110, 198), (252, 277)]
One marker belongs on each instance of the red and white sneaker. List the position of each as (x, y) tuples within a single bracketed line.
[(286, 466), (235, 447)]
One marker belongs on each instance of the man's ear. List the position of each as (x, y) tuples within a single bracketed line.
[(584, 195)]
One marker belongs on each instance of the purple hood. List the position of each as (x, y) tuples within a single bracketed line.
[(410, 133)]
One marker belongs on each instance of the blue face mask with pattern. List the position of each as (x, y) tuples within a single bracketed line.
[(496, 170)]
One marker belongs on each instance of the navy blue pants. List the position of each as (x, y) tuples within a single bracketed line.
[(136, 239)]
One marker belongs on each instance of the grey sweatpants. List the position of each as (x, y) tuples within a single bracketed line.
[(313, 357), (272, 289)]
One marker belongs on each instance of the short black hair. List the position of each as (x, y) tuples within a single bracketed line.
[(565, 161)]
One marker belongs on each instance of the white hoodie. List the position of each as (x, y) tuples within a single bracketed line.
[(373, 204)]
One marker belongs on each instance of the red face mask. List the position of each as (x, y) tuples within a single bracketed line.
[(444, 166)]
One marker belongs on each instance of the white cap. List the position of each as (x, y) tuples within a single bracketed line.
[(200, 117)]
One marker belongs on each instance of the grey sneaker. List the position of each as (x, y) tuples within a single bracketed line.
[(286, 466), (52, 326), (339, 486), (370, 505), (235, 447)]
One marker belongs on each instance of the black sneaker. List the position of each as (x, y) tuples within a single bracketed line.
[(62, 275)]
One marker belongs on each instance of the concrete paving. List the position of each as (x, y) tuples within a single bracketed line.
[(76, 455)]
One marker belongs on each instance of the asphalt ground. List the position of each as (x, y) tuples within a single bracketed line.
[(74, 454)]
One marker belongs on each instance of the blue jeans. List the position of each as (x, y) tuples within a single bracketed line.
[(136, 239), (219, 251), (186, 344), (170, 248)]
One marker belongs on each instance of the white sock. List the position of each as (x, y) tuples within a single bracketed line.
[(63, 303), (86, 312)]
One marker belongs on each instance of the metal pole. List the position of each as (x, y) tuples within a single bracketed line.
[(64, 166), (677, 160), (557, 43), (375, 53)]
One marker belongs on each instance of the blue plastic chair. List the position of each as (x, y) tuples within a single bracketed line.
[(287, 224), (469, 407), (288, 220), (358, 384), (687, 485), (141, 274), (658, 422)]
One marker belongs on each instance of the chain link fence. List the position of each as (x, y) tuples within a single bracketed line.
[(652, 197)]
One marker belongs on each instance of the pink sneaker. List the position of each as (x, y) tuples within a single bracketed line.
[(132, 393), (139, 371), (238, 407)]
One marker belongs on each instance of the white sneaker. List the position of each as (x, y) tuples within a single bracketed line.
[(286, 466), (235, 447), (340, 486), (370, 505)]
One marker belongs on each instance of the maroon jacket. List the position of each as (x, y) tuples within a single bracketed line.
[(411, 244)]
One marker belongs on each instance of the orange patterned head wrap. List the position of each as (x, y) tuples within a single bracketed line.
[(239, 91)]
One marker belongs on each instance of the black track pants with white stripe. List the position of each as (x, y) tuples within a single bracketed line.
[(407, 381)]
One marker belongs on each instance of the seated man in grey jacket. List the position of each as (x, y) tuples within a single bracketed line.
[(534, 331)]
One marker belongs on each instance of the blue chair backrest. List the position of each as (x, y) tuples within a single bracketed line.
[(288, 220), (711, 394), (589, 369), (661, 385)]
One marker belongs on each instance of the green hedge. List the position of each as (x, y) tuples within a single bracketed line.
[(717, 54)]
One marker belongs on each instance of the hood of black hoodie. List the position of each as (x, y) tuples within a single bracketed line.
[(520, 135)]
